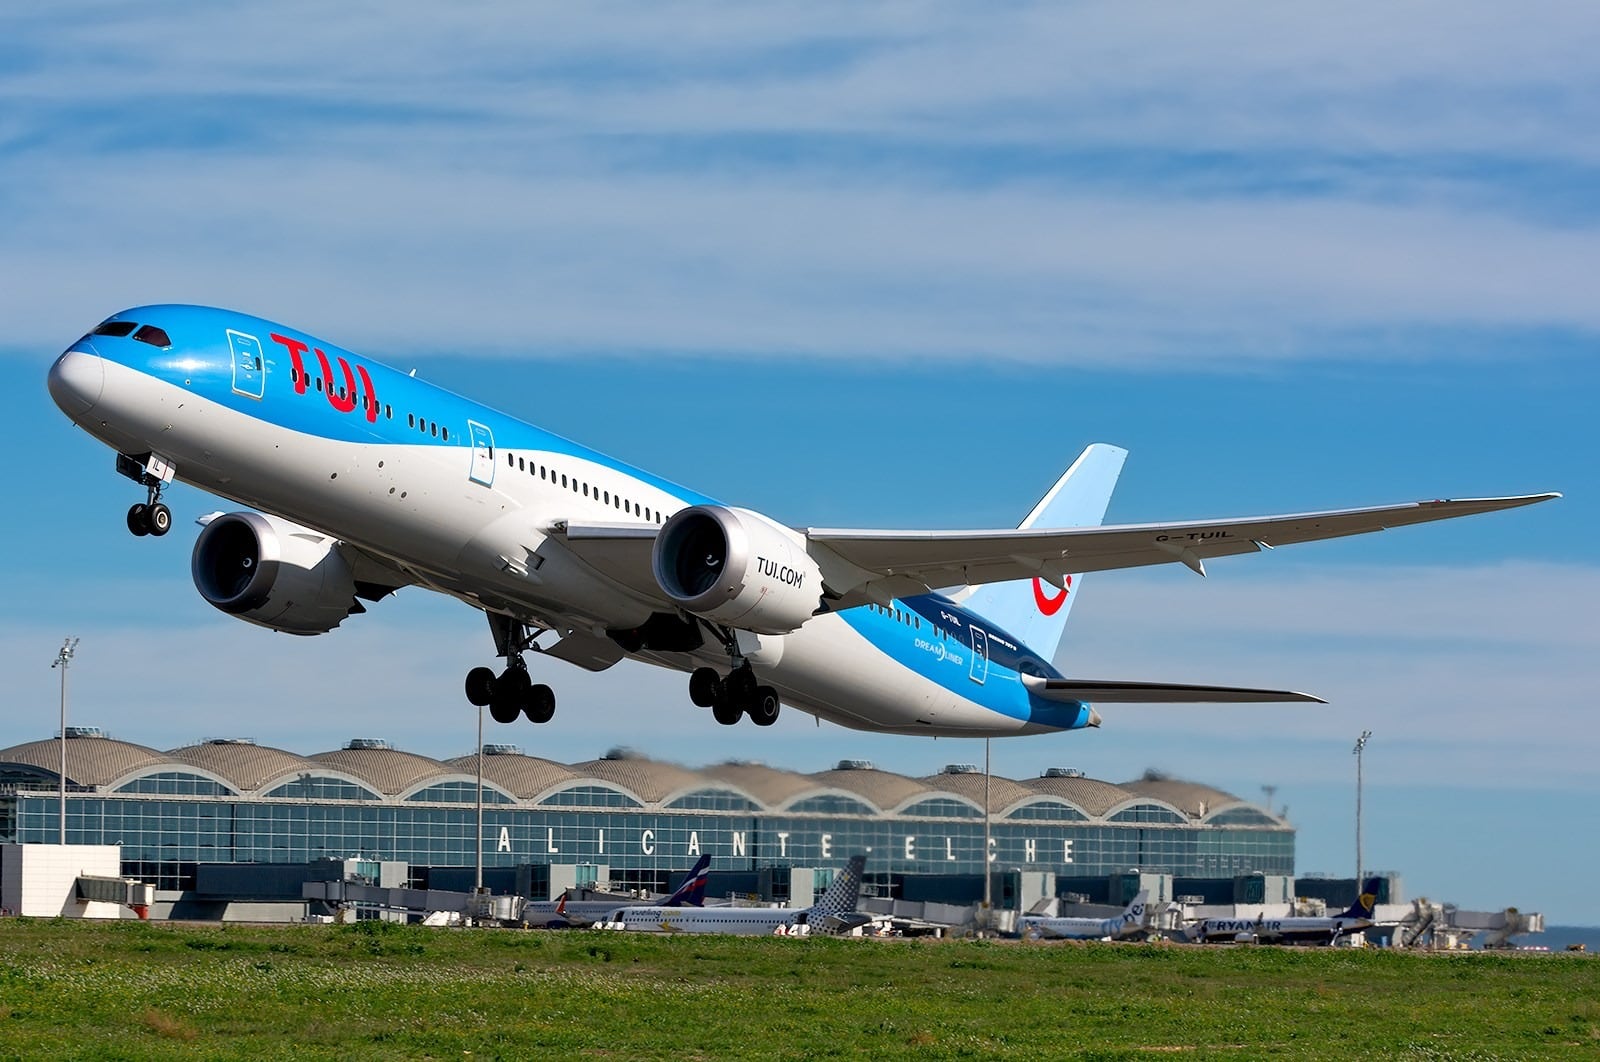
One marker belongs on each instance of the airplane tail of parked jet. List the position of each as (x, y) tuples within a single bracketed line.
[(692, 893), (1364, 904), (836, 910), (1035, 610)]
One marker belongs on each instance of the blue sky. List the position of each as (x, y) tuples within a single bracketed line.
[(882, 268)]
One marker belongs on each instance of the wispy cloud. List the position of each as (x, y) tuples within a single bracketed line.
[(1036, 183)]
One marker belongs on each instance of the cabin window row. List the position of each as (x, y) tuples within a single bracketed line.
[(910, 619), (368, 403), (577, 486)]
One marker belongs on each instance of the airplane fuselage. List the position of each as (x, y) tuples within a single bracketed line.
[(463, 499)]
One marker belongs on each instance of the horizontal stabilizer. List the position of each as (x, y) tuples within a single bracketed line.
[(1112, 692)]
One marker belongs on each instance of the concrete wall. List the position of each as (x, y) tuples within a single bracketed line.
[(37, 880)]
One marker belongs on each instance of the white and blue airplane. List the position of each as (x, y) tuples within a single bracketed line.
[(366, 479), (836, 911), (572, 914), (1292, 929), (1134, 919)]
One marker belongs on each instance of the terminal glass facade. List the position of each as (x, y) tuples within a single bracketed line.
[(164, 835)]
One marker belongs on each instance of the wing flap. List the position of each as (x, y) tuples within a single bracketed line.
[(620, 552), (1098, 691)]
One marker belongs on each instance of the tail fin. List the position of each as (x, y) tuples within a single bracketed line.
[(1137, 907), (693, 890), (1035, 610), (844, 895), (1362, 908)]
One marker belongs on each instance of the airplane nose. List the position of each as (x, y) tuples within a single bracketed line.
[(1094, 717), (76, 380)]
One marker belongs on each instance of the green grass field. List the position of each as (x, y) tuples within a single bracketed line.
[(375, 990)]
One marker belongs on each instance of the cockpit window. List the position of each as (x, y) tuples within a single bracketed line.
[(115, 328), (156, 337)]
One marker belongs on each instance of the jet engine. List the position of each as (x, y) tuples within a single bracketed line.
[(738, 568), (274, 574)]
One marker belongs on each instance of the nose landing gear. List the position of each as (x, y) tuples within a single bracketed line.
[(152, 472)]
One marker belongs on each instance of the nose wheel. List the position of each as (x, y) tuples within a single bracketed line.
[(151, 518)]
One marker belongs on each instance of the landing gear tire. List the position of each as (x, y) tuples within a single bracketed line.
[(764, 708), (159, 519), (726, 710), (139, 520), (705, 686), (540, 706), (480, 686), (511, 691)]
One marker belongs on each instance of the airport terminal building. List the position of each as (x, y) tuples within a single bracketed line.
[(623, 820)]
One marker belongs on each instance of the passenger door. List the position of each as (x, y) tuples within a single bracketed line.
[(482, 454)]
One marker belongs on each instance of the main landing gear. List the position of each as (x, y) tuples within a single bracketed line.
[(513, 692), (149, 517), (737, 695)]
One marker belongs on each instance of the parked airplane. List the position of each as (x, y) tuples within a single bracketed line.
[(368, 480), (1134, 919), (835, 912), (1294, 928), (573, 914)]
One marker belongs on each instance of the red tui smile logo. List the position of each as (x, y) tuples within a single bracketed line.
[(1050, 605)]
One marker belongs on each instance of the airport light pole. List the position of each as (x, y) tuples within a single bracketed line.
[(478, 883), (988, 898), (63, 659), (1361, 745)]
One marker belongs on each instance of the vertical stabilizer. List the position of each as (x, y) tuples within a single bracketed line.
[(844, 895), (1035, 610), (1362, 908), (692, 893)]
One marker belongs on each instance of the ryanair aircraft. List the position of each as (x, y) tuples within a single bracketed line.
[(363, 479)]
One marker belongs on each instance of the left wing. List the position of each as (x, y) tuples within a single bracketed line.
[(950, 558), (865, 565)]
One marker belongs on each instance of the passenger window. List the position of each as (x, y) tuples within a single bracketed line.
[(115, 328), (319, 385), (388, 412), (411, 420), (563, 479), (511, 462), (586, 490), (433, 429), (607, 496), (445, 432)]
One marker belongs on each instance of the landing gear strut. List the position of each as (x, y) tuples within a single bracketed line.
[(739, 694), (513, 692), (149, 517)]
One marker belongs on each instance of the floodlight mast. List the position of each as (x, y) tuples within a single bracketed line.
[(1361, 745), (62, 661)]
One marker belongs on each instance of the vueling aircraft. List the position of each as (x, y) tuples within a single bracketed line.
[(572, 914), (363, 479)]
